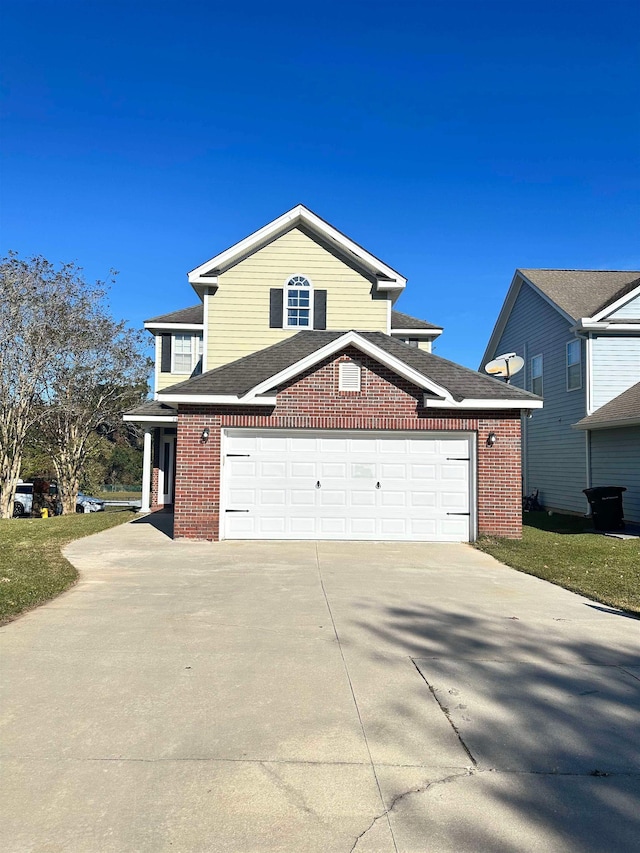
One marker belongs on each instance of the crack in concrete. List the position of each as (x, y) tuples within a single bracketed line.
[(445, 711), (421, 789), (632, 674)]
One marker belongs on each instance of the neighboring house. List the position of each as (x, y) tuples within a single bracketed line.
[(293, 402), (579, 334)]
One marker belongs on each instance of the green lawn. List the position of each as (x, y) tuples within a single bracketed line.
[(32, 569), (120, 496), (560, 549)]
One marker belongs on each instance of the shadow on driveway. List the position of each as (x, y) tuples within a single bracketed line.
[(161, 520)]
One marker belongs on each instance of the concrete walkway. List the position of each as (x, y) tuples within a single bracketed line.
[(316, 697)]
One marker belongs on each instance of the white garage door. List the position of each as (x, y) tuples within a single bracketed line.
[(332, 485)]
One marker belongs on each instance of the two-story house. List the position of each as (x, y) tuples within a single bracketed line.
[(578, 332), (294, 402)]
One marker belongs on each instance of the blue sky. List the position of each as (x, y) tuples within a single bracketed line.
[(455, 140)]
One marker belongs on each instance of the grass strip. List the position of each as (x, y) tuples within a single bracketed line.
[(32, 568), (565, 551)]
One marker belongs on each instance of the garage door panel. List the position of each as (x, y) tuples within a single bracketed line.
[(242, 497), (302, 444), (457, 471), (333, 469), (274, 492), (454, 500), (273, 497), (333, 445), (360, 471), (303, 526), (423, 499), (333, 524), (360, 498), (363, 445), (302, 497), (302, 470), (273, 444), (273, 469), (238, 468)]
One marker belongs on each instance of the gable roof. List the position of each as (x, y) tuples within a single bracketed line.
[(576, 294), (299, 216), (447, 385), (405, 321), (623, 410), (583, 293), (192, 315)]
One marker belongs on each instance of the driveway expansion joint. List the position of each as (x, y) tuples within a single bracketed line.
[(445, 711)]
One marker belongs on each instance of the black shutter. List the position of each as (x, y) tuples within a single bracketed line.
[(320, 309), (275, 307), (165, 353)]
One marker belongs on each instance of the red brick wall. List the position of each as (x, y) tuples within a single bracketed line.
[(386, 402)]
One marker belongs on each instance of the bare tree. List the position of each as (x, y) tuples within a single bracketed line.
[(31, 306), (100, 371), (65, 365)]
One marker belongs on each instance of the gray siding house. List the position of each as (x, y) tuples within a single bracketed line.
[(578, 332)]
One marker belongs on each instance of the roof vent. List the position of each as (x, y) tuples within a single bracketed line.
[(349, 376)]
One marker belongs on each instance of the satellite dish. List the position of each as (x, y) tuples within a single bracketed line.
[(505, 366)]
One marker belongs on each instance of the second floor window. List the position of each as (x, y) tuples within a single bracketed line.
[(187, 350), (298, 303), (536, 375), (574, 365)]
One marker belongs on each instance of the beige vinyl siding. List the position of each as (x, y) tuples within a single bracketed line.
[(238, 314), (425, 346), (166, 380)]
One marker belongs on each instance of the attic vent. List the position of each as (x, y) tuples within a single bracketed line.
[(349, 376)]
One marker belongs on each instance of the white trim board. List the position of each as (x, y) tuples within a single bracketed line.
[(387, 278), (613, 306), (175, 327), (151, 419)]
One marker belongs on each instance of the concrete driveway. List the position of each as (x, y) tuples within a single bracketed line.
[(328, 697)]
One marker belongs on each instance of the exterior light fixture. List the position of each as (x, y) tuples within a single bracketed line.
[(205, 435), (491, 439)]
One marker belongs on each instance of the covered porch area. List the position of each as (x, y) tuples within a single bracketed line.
[(159, 422)]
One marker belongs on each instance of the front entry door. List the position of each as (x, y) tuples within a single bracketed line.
[(165, 474)]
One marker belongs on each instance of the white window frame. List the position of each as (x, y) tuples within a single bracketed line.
[(534, 359), (196, 351), (573, 364), (285, 302)]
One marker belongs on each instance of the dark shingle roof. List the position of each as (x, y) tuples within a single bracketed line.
[(152, 408), (582, 293), (184, 315), (623, 409), (241, 376), (405, 321)]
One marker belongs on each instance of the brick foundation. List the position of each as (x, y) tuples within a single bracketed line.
[(312, 401)]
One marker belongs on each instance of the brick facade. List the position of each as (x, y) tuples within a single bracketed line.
[(313, 401)]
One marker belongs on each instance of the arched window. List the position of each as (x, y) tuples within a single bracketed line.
[(298, 303)]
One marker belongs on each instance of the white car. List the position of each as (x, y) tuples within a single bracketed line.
[(23, 502)]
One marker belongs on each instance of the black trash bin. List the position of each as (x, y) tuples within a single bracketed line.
[(606, 507)]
